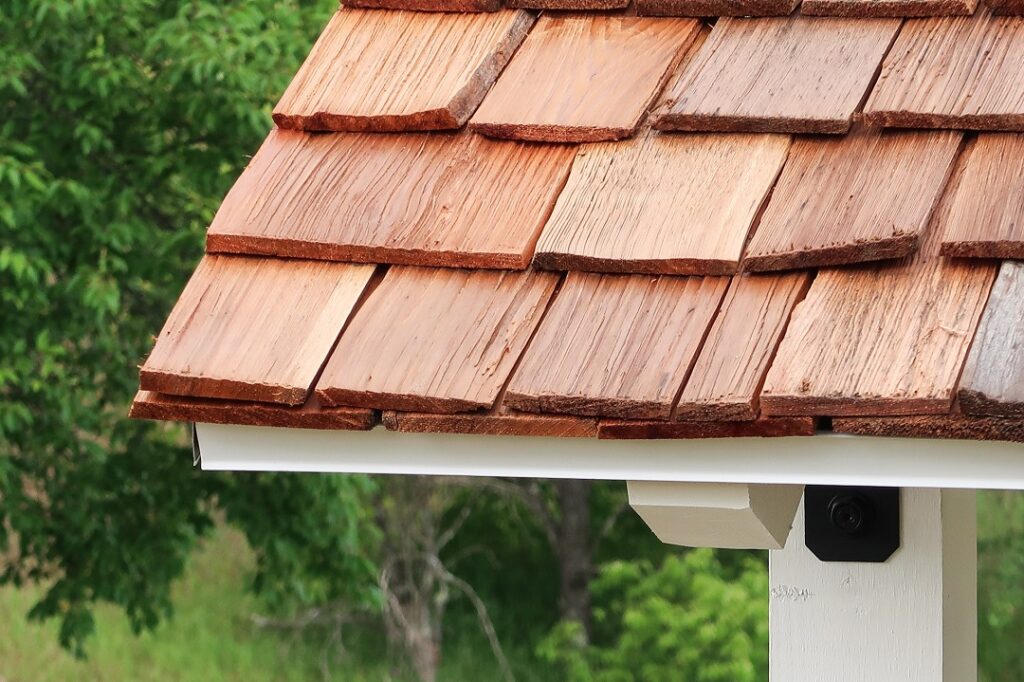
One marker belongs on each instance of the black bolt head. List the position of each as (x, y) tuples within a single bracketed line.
[(850, 513)]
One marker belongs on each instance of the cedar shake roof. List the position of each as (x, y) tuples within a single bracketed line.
[(612, 221)]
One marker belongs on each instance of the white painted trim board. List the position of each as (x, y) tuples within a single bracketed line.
[(825, 459)]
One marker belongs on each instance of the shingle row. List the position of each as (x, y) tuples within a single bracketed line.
[(582, 78)]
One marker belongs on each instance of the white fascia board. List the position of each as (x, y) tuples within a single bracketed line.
[(825, 459)]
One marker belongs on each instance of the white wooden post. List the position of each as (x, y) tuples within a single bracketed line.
[(910, 619)]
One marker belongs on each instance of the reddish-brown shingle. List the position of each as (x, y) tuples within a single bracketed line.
[(311, 415), (888, 8), (955, 426), (865, 196), (993, 379), (793, 75), (381, 70), (643, 205), (885, 340), (436, 340), (953, 73), (584, 78), (984, 217), (768, 427), (494, 422), (716, 8), (253, 329), (1010, 7), (616, 345), (455, 200), (726, 381)]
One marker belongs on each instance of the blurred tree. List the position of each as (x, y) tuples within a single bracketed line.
[(1000, 585), (122, 124), (692, 618)]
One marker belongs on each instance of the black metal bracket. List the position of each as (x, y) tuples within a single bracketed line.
[(851, 523)]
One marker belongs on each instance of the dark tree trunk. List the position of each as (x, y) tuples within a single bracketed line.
[(574, 550)]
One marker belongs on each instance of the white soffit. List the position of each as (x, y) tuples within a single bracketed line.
[(825, 459)]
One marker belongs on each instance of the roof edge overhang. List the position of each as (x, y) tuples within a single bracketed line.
[(825, 459)]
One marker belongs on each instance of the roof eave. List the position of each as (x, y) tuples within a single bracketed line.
[(825, 459)]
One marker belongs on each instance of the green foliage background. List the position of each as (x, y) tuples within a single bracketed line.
[(122, 125)]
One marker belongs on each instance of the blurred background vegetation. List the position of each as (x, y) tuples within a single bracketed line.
[(122, 125)]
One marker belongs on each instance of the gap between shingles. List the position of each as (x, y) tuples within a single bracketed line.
[(674, 73), (951, 183), (812, 275), (380, 271), (550, 208), (957, 170), (526, 36), (500, 398), (674, 411), (755, 224), (955, 398), (858, 112)]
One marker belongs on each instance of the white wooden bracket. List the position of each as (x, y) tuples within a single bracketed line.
[(910, 619), (729, 515)]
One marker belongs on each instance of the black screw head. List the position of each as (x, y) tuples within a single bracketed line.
[(850, 513)]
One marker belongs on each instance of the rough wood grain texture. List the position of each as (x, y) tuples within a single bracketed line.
[(953, 426), (616, 345), (253, 328), (769, 427), (985, 216), (1010, 7), (311, 415), (493, 423), (584, 78), (571, 5), (716, 8), (380, 70), (791, 75), (879, 341), (726, 380), (888, 8), (434, 340), (866, 196), (953, 73), (642, 205), (454, 200), (993, 380), (429, 5)]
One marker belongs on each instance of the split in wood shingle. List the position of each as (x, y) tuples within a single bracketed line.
[(884, 340)]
